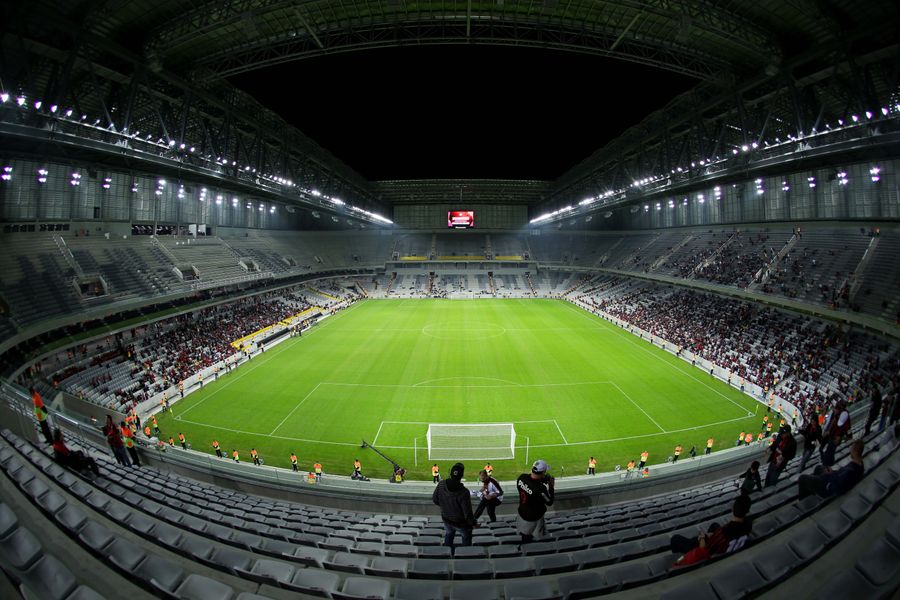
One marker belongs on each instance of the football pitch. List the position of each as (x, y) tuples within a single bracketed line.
[(573, 386)]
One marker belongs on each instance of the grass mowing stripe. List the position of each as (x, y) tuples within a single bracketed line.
[(628, 335)]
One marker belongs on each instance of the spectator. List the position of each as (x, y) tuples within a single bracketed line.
[(751, 479), (812, 435), (826, 482), (874, 409), (114, 439), (536, 493), (781, 452), (718, 539), (456, 507), (491, 496), (836, 427), (75, 460)]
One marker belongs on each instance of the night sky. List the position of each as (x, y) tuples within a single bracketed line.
[(462, 111)]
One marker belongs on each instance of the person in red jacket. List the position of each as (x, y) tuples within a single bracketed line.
[(719, 539)]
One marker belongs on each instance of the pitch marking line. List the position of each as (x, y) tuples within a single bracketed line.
[(638, 406), (561, 434), (356, 444), (506, 385), (260, 361), (565, 441), (617, 330), (299, 404), (375, 441)]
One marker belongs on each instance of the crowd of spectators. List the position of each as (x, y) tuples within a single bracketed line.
[(740, 261), (162, 354), (811, 363)]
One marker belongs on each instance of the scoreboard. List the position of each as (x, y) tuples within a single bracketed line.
[(461, 219)]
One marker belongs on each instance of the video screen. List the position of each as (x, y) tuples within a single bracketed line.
[(461, 219)]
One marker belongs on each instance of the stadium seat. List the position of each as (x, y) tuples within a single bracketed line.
[(529, 590), (419, 590), (315, 582), (20, 549), (363, 588), (49, 579), (125, 555), (8, 520), (466, 590), (879, 564), (198, 587)]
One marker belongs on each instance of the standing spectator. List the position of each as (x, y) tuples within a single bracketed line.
[(456, 507), (536, 493), (812, 436), (40, 413), (255, 456), (217, 448), (317, 467), (76, 460), (128, 438), (826, 482), (235, 456), (751, 479), (677, 454), (294, 462), (693, 452), (491, 496), (709, 445), (782, 450), (644, 456), (837, 425), (592, 466), (357, 469), (435, 473), (183, 441), (490, 469), (874, 409), (114, 439)]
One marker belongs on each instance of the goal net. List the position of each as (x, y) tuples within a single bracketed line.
[(461, 441)]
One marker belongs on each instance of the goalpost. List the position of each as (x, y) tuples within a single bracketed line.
[(471, 441)]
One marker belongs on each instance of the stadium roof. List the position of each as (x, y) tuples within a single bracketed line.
[(767, 68)]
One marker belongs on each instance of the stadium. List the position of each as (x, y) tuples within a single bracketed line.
[(273, 270)]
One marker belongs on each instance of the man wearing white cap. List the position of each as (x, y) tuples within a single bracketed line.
[(535, 495)]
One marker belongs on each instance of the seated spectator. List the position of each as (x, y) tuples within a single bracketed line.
[(75, 460), (751, 479), (719, 539), (826, 482)]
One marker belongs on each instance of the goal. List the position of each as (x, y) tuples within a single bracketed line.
[(467, 441)]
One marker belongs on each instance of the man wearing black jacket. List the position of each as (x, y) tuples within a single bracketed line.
[(535, 495), (456, 507)]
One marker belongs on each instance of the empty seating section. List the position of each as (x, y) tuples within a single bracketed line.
[(412, 244), (212, 259), (508, 245), (879, 289), (36, 281), (460, 244), (346, 554), (819, 266)]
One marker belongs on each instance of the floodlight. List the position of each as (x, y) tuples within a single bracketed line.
[(20, 100), (38, 104), (53, 108), (4, 97)]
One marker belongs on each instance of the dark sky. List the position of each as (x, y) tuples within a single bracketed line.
[(462, 111)]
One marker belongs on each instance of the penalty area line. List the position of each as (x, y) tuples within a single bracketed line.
[(562, 435)]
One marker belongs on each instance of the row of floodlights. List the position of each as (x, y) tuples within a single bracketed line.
[(38, 104), (842, 179)]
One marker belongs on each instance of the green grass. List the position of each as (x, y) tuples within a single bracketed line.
[(573, 385)]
